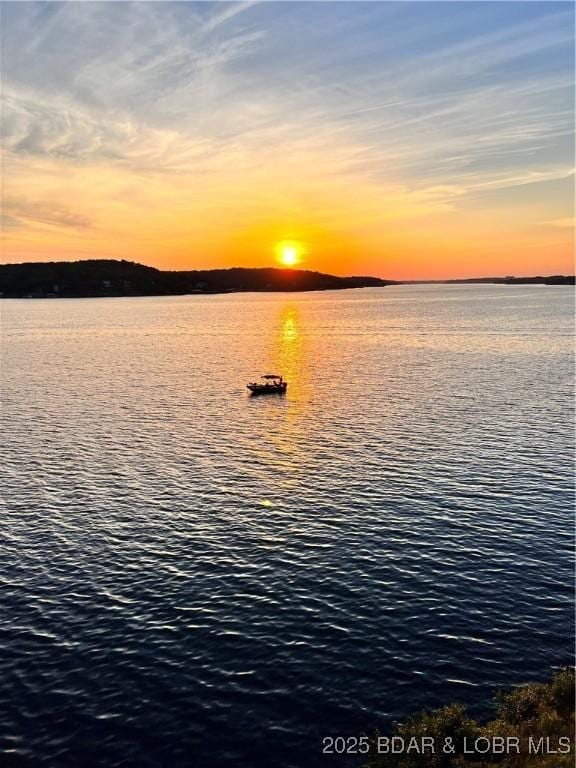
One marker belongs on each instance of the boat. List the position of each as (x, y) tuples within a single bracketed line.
[(273, 385)]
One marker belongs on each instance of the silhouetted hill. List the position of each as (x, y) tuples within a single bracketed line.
[(106, 277), (124, 278)]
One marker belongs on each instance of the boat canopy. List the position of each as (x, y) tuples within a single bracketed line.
[(271, 376)]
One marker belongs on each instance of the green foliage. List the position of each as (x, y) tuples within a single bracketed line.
[(537, 710), (532, 702)]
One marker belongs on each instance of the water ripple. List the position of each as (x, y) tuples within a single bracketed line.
[(191, 577)]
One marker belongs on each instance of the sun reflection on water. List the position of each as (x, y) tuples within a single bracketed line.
[(288, 351), (287, 357), (290, 331)]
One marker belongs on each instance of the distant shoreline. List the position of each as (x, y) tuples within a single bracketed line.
[(115, 279), (535, 280)]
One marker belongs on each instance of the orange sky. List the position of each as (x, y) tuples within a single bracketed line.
[(144, 154)]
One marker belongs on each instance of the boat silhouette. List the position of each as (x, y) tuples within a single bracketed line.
[(274, 385)]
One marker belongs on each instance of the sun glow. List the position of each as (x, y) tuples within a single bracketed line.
[(289, 252)]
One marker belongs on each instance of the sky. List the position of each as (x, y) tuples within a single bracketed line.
[(409, 140)]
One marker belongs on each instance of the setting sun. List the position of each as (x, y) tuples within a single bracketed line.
[(289, 252)]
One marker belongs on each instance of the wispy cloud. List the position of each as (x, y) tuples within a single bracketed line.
[(231, 12), (567, 223), (19, 212)]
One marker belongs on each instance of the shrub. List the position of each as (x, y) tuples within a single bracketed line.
[(537, 710)]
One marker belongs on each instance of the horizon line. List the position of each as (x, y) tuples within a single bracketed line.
[(298, 269)]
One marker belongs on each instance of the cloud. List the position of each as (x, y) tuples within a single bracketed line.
[(19, 212), (8, 222), (53, 128), (232, 11), (109, 79), (360, 113), (566, 223)]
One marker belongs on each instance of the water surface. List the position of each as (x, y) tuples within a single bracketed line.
[(194, 577)]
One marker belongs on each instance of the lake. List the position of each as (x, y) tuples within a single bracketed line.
[(194, 577)]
